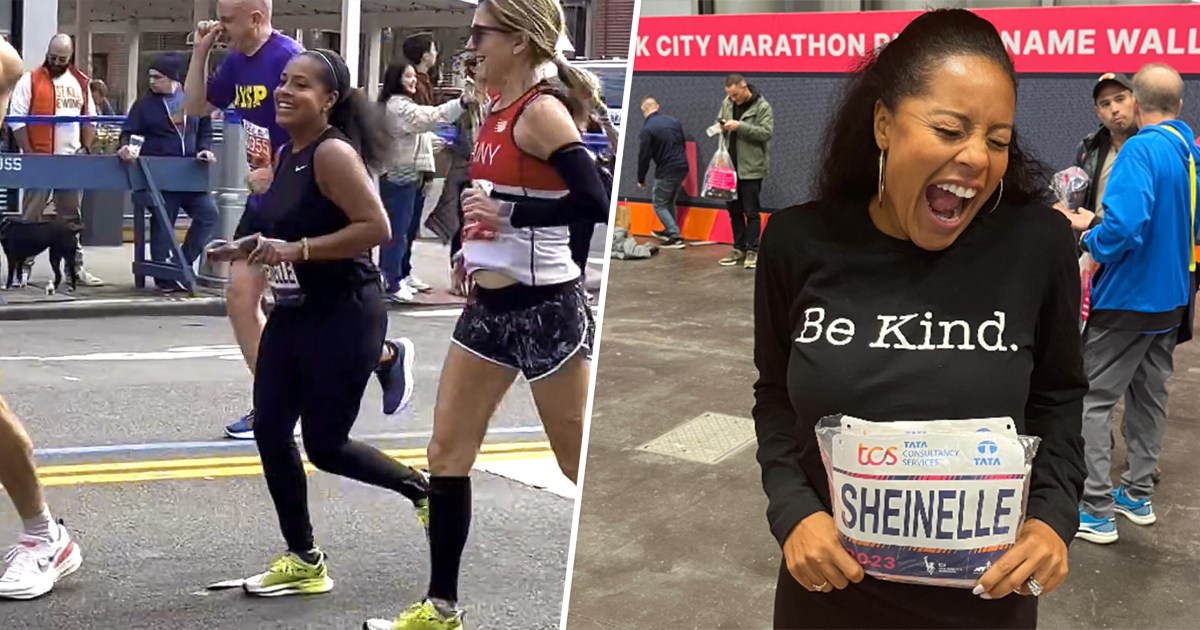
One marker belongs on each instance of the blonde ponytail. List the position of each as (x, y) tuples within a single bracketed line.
[(580, 79)]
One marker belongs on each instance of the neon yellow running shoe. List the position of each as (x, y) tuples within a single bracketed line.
[(289, 575), (423, 513), (420, 616)]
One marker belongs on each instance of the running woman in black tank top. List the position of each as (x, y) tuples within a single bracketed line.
[(321, 343)]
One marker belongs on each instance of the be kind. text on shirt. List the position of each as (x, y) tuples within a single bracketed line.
[(913, 331)]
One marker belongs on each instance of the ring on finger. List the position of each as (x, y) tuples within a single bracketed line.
[(1034, 586), (821, 586)]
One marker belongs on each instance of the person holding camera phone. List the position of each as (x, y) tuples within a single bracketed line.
[(747, 120), (167, 131)]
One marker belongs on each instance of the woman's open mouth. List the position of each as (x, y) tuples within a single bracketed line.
[(947, 202)]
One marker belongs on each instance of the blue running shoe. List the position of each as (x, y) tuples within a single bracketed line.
[(396, 376), (1101, 531), (243, 429), (1140, 512)]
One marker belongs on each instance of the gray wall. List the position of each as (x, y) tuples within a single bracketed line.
[(1053, 113)]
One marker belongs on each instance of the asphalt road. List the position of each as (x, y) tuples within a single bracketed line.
[(126, 415)]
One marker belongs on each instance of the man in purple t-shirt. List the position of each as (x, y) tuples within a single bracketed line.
[(246, 81)]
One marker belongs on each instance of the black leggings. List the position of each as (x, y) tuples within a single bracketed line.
[(314, 362)]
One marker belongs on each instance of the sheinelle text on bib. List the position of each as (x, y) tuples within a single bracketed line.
[(949, 513)]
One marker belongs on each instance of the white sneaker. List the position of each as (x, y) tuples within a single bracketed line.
[(417, 284), (404, 294), (35, 565), (86, 278)]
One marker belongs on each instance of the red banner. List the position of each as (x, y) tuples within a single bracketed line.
[(1051, 40)]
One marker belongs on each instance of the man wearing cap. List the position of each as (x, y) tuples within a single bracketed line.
[(158, 117), (1112, 96)]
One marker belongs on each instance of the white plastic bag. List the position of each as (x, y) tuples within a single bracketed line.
[(928, 502), (1070, 187), (720, 180)]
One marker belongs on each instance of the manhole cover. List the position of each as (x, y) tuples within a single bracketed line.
[(707, 438)]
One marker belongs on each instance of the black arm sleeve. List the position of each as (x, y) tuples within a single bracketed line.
[(790, 497), (1054, 410), (586, 199), (456, 238)]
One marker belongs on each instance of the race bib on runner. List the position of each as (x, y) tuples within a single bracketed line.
[(285, 285), (935, 504), (258, 145)]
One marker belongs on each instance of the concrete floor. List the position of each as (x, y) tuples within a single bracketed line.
[(669, 543)]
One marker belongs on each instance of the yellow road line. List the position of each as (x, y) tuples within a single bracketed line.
[(253, 460), (239, 466), (234, 471)]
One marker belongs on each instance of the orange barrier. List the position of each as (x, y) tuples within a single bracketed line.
[(695, 224)]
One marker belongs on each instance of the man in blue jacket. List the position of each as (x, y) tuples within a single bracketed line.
[(662, 141), (158, 118), (1142, 300)]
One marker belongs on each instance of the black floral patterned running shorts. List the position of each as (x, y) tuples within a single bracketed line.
[(531, 329)]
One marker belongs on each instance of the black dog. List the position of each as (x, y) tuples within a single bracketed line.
[(23, 241)]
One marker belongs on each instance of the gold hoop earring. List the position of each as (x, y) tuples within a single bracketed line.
[(882, 160), (998, 198)]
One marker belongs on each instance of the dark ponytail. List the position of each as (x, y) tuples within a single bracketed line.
[(361, 121), (904, 68), (366, 128)]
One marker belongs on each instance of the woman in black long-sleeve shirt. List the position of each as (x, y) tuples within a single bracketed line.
[(951, 228)]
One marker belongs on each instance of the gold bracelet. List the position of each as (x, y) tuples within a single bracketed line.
[(304, 247)]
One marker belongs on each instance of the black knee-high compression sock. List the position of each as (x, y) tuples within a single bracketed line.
[(449, 522)]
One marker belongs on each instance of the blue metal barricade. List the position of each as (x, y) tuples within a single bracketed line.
[(147, 177), (150, 176), (61, 120)]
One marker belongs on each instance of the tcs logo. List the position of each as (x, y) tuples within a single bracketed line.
[(877, 455), (249, 96)]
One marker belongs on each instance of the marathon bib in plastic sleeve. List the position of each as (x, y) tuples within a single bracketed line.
[(285, 285), (1070, 186), (931, 502), (720, 180)]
